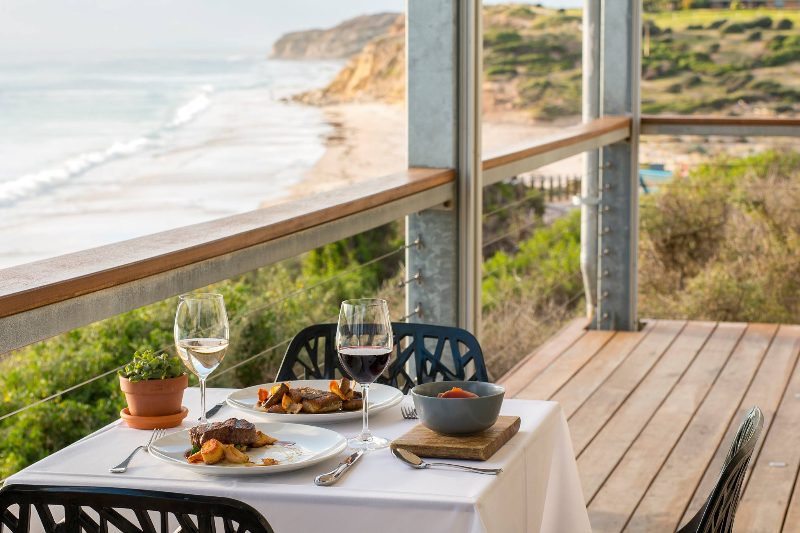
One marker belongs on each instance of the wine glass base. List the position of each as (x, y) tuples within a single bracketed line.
[(374, 443)]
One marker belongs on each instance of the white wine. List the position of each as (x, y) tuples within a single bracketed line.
[(202, 356)]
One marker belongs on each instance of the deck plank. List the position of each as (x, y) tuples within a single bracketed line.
[(587, 421), (526, 370), (572, 395), (663, 504), (766, 392), (604, 452), (767, 495), (563, 368), (616, 500)]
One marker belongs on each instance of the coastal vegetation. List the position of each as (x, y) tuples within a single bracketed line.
[(696, 61)]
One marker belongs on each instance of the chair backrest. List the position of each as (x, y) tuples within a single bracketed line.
[(446, 355), (718, 513), (110, 505)]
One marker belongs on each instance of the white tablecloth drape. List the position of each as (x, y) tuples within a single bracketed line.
[(539, 489)]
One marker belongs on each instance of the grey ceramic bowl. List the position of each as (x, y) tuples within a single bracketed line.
[(458, 416)]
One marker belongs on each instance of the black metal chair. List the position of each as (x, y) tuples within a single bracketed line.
[(717, 515), (313, 350), (106, 504)]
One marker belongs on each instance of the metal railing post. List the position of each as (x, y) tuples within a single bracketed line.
[(618, 230), (443, 65), (589, 183)]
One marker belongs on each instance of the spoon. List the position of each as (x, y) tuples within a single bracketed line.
[(414, 461)]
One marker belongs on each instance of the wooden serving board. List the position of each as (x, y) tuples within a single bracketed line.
[(425, 443)]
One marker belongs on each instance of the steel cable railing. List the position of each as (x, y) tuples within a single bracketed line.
[(232, 320), (542, 321)]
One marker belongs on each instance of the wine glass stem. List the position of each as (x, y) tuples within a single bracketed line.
[(365, 434), (203, 419)]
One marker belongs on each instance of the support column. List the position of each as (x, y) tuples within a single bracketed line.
[(442, 75), (619, 213), (591, 174)]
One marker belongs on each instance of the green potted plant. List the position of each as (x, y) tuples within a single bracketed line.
[(153, 384)]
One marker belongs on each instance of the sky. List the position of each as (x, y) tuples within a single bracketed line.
[(73, 25)]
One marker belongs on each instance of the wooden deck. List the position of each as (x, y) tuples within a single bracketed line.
[(652, 414)]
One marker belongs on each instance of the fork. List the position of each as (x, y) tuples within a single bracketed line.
[(123, 466), (409, 413)]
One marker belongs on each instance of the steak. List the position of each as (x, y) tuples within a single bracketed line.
[(232, 431), (315, 401)]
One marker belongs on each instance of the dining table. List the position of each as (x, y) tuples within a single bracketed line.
[(538, 491)]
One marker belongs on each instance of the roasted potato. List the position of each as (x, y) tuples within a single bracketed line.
[(212, 451), (263, 440), (290, 406), (268, 461), (342, 389), (263, 394), (233, 455), (334, 388), (195, 458)]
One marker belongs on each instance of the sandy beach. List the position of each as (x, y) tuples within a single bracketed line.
[(369, 140)]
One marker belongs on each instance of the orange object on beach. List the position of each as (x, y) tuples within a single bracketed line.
[(455, 392)]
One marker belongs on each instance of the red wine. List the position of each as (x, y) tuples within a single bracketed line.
[(365, 363)]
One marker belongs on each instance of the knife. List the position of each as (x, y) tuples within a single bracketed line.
[(214, 410), (333, 476)]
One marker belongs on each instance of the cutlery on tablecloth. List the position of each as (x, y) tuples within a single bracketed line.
[(123, 466), (409, 413), (413, 460), (333, 476), (214, 410)]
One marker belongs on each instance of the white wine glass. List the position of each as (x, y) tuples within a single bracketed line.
[(364, 341), (201, 336)]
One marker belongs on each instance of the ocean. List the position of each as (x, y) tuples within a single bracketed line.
[(94, 150)]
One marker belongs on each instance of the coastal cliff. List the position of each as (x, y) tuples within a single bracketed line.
[(339, 42), (375, 74)]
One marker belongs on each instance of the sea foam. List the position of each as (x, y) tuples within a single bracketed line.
[(29, 185)]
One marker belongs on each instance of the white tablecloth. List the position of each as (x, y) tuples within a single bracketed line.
[(539, 489)]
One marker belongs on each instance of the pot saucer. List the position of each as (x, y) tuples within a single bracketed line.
[(154, 422)]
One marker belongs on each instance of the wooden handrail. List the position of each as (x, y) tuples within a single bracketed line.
[(565, 137), (700, 120), (45, 282)]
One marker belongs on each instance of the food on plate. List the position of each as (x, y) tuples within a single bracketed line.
[(274, 396), (263, 440), (313, 400), (232, 431), (283, 399), (342, 389), (356, 404), (213, 443), (268, 461), (234, 456), (212, 451), (455, 392)]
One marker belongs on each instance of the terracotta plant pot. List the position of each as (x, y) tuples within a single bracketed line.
[(154, 397)]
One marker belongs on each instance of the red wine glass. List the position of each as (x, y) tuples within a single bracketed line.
[(364, 341)]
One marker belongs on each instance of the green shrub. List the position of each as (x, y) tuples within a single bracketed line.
[(784, 24), (501, 70), (717, 24), (764, 23), (694, 27), (755, 36), (522, 12), (733, 28), (495, 37)]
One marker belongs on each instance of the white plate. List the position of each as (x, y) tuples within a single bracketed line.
[(381, 397), (312, 445)]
